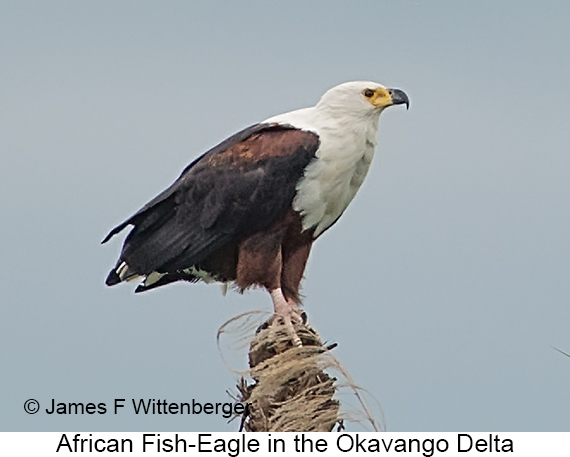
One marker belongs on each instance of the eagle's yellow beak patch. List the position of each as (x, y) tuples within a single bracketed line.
[(381, 98)]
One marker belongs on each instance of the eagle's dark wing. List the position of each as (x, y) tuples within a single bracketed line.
[(237, 188)]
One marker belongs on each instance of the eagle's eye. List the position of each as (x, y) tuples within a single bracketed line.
[(368, 93)]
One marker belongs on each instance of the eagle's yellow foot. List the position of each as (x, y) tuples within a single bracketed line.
[(287, 313)]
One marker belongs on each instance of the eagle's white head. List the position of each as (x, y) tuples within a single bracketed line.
[(354, 102), (361, 98)]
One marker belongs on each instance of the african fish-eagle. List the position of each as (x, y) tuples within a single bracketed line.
[(248, 210)]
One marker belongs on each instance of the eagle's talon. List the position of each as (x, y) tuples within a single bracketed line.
[(287, 313), (287, 322)]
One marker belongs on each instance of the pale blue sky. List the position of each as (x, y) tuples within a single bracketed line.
[(445, 283)]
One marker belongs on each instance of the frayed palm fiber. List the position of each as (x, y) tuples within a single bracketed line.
[(290, 391), (291, 388)]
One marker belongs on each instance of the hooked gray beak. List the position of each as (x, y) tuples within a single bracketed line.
[(399, 97)]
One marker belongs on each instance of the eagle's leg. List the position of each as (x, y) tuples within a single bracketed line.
[(287, 312)]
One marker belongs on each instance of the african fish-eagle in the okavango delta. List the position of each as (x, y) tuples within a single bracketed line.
[(248, 211)]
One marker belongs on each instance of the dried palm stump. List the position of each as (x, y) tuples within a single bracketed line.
[(290, 391)]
